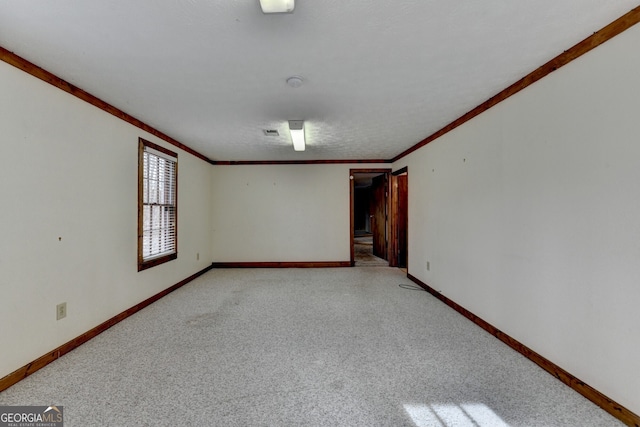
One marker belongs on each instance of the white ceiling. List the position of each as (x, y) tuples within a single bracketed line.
[(378, 76)]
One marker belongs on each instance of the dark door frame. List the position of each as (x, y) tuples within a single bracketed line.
[(394, 221), (385, 171)]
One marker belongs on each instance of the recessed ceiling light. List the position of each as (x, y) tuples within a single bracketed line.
[(294, 81)]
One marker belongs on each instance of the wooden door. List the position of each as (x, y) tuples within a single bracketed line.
[(379, 216), (402, 220), (399, 221)]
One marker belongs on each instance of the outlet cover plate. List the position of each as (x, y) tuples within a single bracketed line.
[(61, 311)]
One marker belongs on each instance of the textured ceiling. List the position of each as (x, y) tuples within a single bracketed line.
[(378, 76)]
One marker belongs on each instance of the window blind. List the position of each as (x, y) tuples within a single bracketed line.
[(159, 204)]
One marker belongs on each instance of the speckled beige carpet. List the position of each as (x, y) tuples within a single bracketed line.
[(301, 347)]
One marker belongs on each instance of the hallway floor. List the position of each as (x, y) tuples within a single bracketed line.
[(293, 347), (363, 253)]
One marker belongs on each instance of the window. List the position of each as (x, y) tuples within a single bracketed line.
[(157, 205)]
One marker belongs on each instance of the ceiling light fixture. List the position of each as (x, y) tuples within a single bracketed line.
[(296, 127), (277, 6)]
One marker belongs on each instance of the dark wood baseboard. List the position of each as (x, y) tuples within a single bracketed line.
[(44, 360), (283, 264), (620, 412)]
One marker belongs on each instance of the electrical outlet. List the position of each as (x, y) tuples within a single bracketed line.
[(428, 266), (61, 311), (198, 256)]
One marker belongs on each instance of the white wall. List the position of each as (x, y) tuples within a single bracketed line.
[(70, 170), (282, 213), (530, 217)]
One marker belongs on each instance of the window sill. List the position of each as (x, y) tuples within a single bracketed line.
[(143, 265)]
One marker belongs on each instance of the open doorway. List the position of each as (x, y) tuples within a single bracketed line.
[(369, 217)]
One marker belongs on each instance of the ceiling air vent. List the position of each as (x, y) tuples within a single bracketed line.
[(271, 132)]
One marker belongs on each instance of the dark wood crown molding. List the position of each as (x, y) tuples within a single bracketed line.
[(621, 24), (295, 162), (44, 75), (618, 26)]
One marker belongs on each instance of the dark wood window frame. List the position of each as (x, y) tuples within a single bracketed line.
[(152, 261)]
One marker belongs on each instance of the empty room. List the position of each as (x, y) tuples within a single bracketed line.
[(280, 212)]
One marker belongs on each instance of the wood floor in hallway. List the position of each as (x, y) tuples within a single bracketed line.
[(363, 253)]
